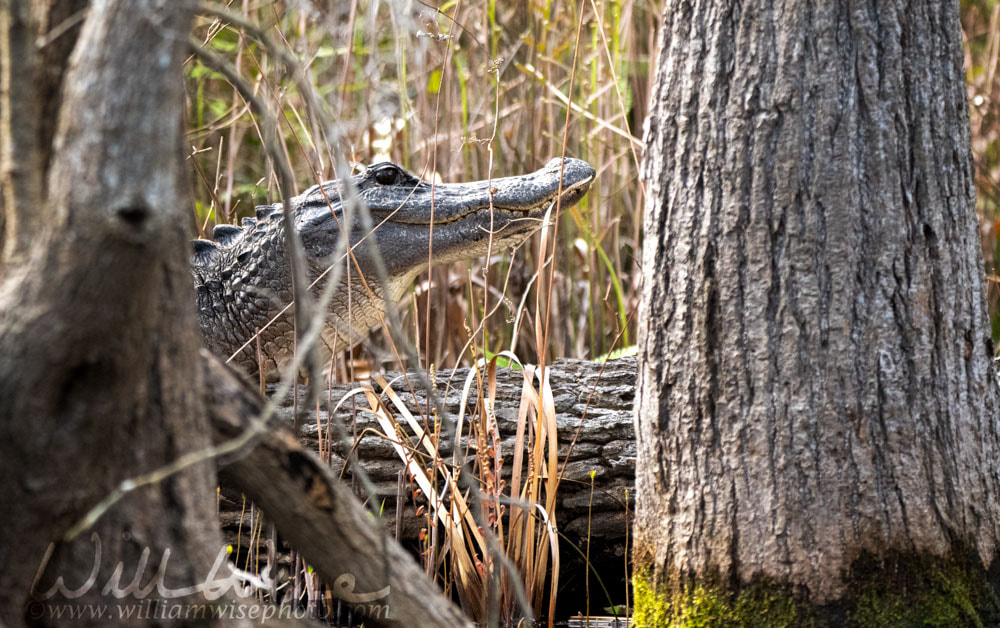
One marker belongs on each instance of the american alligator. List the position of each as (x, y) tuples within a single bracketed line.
[(243, 278)]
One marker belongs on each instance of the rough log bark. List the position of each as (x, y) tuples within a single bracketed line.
[(816, 383), (593, 406)]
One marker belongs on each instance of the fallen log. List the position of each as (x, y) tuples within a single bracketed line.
[(593, 404)]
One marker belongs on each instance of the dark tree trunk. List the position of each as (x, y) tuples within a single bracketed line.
[(99, 354), (817, 410)]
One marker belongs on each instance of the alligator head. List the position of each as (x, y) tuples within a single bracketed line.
[(243, 280)]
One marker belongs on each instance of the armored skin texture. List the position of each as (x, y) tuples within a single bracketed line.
[(243, 278)]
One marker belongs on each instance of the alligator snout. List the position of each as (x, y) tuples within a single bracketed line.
[(574, 171)]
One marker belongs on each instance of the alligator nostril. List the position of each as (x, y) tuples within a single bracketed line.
[(135, 216)]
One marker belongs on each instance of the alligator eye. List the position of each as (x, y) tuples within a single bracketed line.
[(386, 176)]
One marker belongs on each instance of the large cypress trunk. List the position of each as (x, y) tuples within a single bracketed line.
[(817, 412)]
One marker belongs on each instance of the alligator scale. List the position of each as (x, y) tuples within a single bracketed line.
[(243, 278)]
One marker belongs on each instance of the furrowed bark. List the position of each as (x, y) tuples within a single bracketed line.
[(816, 391), (97, 334), (593, 404)]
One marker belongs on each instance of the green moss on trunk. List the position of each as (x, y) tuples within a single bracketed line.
[(708, 604), (899, 590)]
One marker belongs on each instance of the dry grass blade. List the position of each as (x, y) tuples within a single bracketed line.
[(547, 420), (465, 537), (403, 450)]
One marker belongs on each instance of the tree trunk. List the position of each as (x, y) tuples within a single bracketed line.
[(817, 409), (96, 329)]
